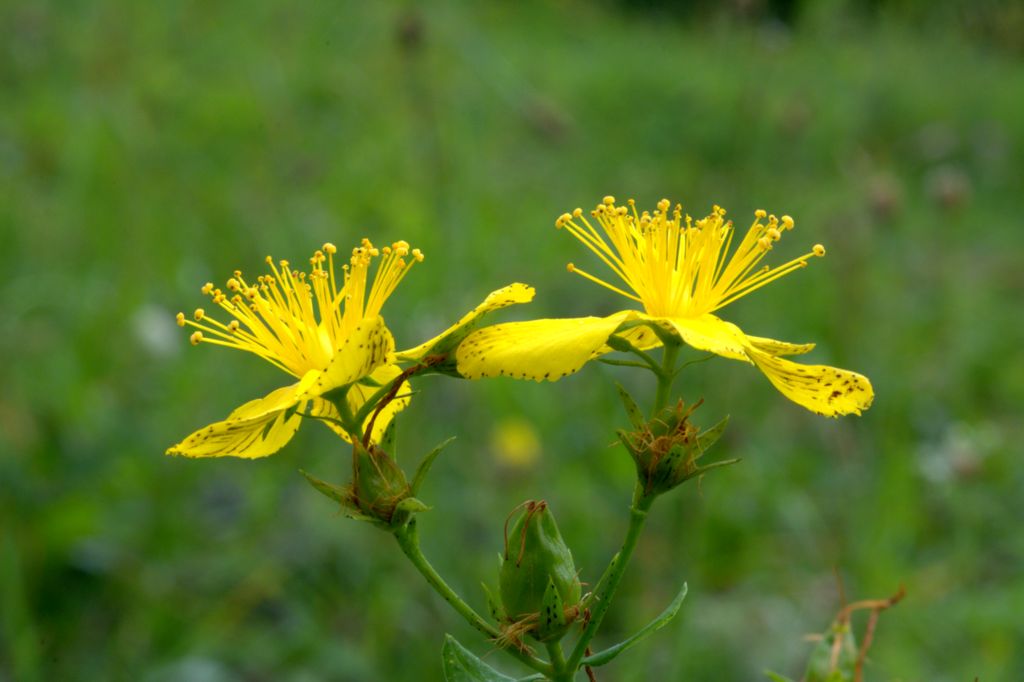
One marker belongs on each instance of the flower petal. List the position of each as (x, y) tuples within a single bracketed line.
[(258, 428), (450, 338), (824, 390), (710, 333), (536, 349), (366, 348), (640, 336), (357, 396), (773, 347)]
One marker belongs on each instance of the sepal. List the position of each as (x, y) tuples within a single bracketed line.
[(667, 449)]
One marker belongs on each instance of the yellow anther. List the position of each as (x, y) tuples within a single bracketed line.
[(577, 212), (562, 220), (609, 200), (234, 284), (570, 267), (195, 338), (180, 319), (283, 263), (330, 248), (418, 255), (765, 243), (207, 288), (198, 314), (251, 293), (773, 234), (233, 325), (818, 250), (787, 222), (760, 213), (663, 205), (772, 220)]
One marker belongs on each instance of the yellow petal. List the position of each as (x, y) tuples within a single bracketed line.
[(824, 390), (641, 337), (537, 349), (366, 348), (256, 429), (357, 396), (449, 338), (773, 347), (710, 333)]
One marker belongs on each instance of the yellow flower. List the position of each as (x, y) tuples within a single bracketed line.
[(326, 333), (681, 272)]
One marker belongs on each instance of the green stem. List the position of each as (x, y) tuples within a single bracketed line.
[(348, 419), (560, 672), (409, 541), (666, 377), (637, 516)]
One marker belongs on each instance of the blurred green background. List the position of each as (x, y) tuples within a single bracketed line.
[(146, 148)]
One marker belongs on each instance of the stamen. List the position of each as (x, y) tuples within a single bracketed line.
[(676, 266), (296, 320)]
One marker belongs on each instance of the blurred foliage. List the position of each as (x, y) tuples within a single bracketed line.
[(146, 148)]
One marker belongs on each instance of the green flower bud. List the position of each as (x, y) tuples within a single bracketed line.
[(666, 449), (378, 483), (538, 586)]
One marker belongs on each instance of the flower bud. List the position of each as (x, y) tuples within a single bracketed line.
[(667, 448), (538, 586), (378, 483)]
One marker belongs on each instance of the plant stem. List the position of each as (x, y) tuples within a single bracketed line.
[(560, 672), (409, 541), (666, 377), (637, 516)]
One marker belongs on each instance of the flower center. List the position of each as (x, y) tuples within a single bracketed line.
[(296, 320), (674, 265)]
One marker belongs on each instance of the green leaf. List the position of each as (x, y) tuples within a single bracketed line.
[(711, 436), (636, 416), (775, 677), (335, 492), (387, 441), (412, 505), (552, 609), (497, 612), (602, 657), (461, 665), (424, 467)]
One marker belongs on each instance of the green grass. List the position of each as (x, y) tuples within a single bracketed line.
[(146, 149)]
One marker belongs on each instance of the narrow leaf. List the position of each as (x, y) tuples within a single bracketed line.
[(552, 609), (711, 436), (461, 665), (775, 677), (412, 505), (387, 441), (424, 467), (335, 492), (602, 657), (497, 612), (636, 416)]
